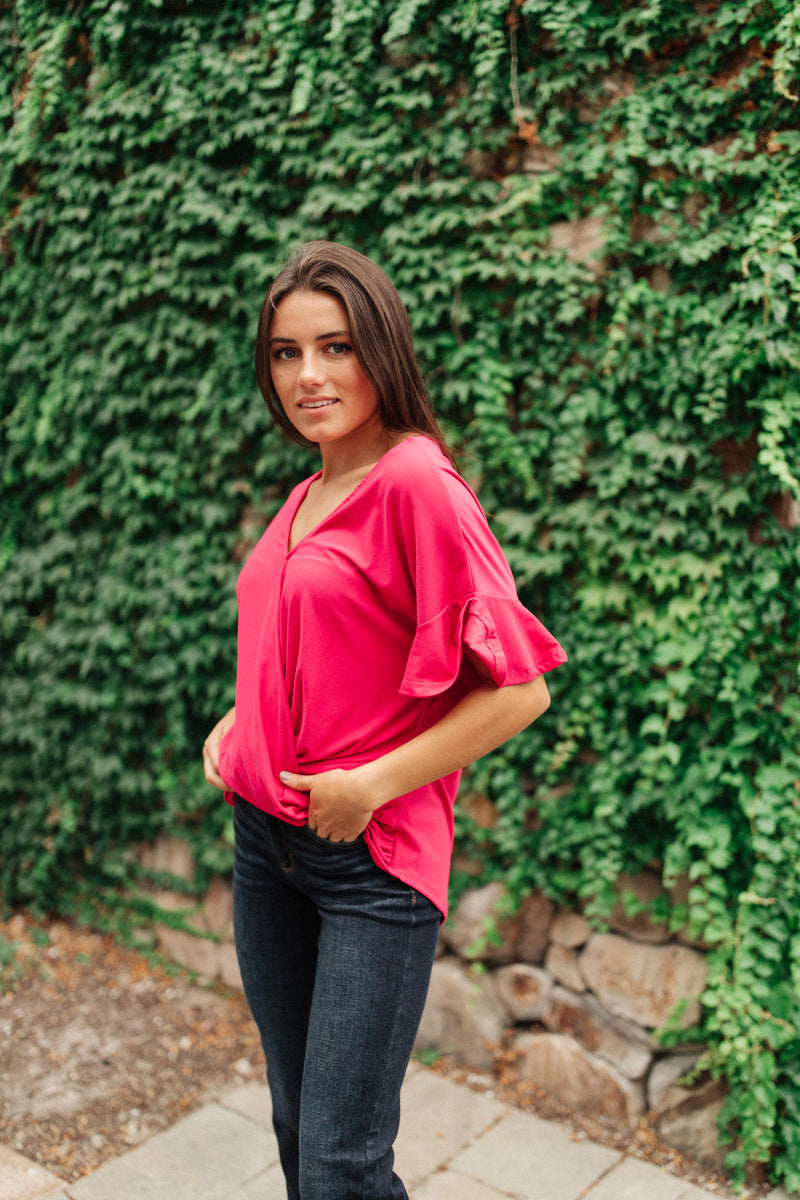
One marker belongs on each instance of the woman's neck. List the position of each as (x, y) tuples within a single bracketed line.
[(356, 456)]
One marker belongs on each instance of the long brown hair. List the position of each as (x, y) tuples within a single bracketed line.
[(379, 328)]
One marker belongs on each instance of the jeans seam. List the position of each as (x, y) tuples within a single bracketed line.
[(388, 1056)]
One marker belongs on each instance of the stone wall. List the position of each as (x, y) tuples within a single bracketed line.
[(201, 937), (575, 1007)]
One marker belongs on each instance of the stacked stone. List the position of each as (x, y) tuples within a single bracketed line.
[(199, 934), (579, 1008)]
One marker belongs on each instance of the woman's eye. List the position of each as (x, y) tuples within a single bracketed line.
[(337, 348), (284, 354)]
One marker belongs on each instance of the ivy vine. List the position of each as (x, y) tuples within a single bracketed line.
[(592, 211)]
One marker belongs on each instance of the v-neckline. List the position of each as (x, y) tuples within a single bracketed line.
[(290, 549)]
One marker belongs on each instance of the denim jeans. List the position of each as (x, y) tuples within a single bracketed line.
[(336, 957)]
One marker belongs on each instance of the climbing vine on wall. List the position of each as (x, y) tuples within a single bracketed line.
[(592, 211)]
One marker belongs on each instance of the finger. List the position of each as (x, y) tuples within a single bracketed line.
[(300, 783), (211, 772)]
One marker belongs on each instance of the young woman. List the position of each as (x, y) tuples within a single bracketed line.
[(382, 647)]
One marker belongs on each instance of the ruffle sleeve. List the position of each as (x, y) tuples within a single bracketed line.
[(509, 640), (463, 588)]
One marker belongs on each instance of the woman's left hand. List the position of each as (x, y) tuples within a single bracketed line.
[(341, 803), (336, 811)]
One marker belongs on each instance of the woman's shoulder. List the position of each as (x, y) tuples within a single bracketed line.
[(417, 476), (417, 462)]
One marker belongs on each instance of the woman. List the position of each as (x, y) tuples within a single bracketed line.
[(382, 648)]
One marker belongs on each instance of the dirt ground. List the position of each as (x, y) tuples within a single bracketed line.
[(100, 1048)]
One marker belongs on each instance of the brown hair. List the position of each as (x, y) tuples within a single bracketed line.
[(379, 328)]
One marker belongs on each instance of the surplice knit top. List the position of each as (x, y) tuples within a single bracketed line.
[(352, 643)]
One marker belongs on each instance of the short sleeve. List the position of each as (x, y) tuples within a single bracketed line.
[(509, 640), (465, 592)]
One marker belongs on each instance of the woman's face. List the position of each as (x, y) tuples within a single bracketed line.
[(320, 383)]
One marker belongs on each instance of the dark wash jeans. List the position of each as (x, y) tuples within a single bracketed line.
[(336, 957)]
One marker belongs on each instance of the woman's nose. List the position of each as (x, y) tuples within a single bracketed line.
[(311, 373)]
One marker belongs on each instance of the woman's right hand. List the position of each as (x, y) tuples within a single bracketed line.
[(211, 751)]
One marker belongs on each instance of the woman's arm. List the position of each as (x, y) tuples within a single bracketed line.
[(341, 802)]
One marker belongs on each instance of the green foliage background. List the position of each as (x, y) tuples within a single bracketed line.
[(629, 411)]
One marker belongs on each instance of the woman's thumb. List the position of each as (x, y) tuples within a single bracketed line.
[(300, 783)]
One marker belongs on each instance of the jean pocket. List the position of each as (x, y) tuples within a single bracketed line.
[(321, 841)]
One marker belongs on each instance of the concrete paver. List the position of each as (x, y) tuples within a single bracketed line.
[(20, 1179), (532, 1159), (268, 1185), (454, 1144), (206, 1156), (252, 1100), (632, 1179), (439, 1118), (451, 1185)]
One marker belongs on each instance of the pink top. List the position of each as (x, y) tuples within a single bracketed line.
[(352, 643)]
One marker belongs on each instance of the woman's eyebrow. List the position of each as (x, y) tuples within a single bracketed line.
[(323, 337)]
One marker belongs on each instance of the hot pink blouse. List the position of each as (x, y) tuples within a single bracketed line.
[(352, 643)]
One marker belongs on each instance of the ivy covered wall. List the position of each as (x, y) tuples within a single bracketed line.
[(592, 210)]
